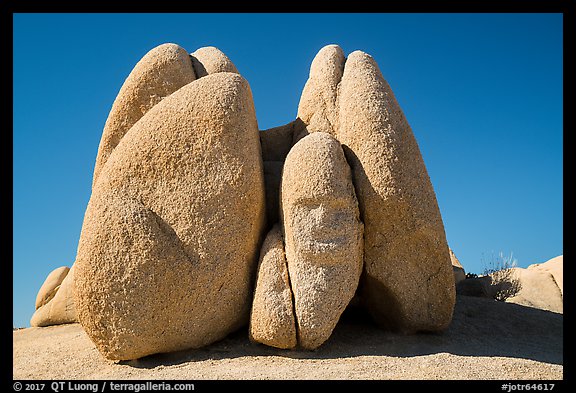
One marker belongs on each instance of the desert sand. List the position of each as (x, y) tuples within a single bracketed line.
[(486, 340)]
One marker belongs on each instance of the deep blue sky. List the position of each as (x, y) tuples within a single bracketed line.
[(482, 92)]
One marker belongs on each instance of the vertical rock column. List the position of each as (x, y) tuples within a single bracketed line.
[(408, 282), (322, 233)]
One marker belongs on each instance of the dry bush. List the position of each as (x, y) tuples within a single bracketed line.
[(504, 284)]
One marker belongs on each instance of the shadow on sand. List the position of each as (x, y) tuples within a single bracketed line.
[(480, 327)]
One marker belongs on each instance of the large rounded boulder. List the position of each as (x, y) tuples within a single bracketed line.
[(169, 244), (55, 299)]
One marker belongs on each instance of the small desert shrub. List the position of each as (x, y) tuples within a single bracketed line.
[(503, 284)]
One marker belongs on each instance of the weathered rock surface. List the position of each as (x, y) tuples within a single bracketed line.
[(161, 72), (322, 233), (538, 289), (457, 268), (404, 233), (56, 306), (51, 285), (318, 109), (210, 60), (272, 318), (555, 267), (408, 282), (169, 244)]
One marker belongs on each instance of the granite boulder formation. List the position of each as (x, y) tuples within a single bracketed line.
[(170, 239), (185, 187), (403, 229), (55, 301)]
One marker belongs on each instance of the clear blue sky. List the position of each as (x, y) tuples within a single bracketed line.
[(482, 92)]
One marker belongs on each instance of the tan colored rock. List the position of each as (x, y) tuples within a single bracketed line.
[(457, 268), (170, 240), (318, 104), (408, 282), (210, 60), (60, 308), (51, 286), (537, 288), (555, 267), (322, 233), (162, 71), (272, 318)]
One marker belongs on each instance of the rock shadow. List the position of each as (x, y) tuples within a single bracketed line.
[(480, 327)]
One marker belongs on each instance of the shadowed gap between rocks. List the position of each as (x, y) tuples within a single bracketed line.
[(198, 67)]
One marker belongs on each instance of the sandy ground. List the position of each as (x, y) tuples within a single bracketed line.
[(486, 340)]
